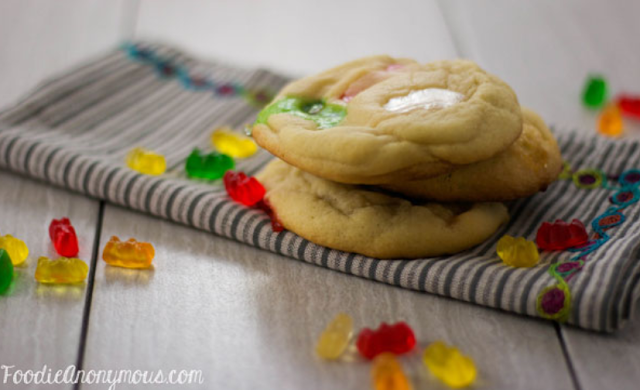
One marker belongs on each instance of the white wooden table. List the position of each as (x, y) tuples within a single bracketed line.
[(248, 318)]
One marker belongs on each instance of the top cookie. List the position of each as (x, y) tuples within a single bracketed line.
[(380, 120)]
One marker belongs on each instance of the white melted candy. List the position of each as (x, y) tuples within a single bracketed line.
[(427, 99)]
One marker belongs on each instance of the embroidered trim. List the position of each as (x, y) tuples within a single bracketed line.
[(554, 302), (166, 68)]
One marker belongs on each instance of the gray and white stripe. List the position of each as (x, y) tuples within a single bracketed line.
[(74, 130)]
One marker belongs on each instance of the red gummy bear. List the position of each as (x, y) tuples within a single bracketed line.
[(243, 189), (64, 238), (629, 105), (397, 338), (561, 235)]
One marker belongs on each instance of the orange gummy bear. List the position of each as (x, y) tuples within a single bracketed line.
[(128, 254)]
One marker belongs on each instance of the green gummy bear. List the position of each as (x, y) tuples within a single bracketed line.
[(595, 92), (6, 271), (208, 166), (323, 114)]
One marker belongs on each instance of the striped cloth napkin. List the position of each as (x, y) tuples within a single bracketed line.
[(75, 130)]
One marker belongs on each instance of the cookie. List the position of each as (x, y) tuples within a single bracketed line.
[(526, 167), (357, 219), (381, 120)]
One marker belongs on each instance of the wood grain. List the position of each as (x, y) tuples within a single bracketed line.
[(606, 361), (40, 39), (546, 49), (298, 39), (40, 324), (249, 318)]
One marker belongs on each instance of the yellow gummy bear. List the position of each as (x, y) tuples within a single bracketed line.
[(517, 252), (449, 365), (146, 161), (233, 144), (63, 270), (387, 373), (335, 338), (16, 249), (610, 121), (128, 254)]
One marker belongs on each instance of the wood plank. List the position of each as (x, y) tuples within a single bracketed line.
[(249, 318), (606, 361), (298, 39), (546, 49), (41, 324), (41, 39)]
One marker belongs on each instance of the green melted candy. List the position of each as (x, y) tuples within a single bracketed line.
[(323, 114)]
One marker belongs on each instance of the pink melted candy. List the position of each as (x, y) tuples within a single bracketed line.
[(394, 67), (368, 80)]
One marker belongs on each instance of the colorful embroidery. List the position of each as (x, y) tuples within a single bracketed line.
[(168, 69), (554, 302)]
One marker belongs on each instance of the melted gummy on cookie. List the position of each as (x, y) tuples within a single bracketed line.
[(317, 110)]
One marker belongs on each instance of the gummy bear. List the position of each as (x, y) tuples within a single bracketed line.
[(629, 105), (517, 252), (243, 189), (265, 206), (63, 270), (64, 238), (335, 338), (595, 92), (387, 373), (6, 270), (16, 248), (128, 254), (449, 365), (610, 121), (397, 338), (323, 114), (210, 166), (233, 144), (146, 161), (561, 235)]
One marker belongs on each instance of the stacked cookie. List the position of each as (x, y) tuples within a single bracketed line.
[(395, 159)]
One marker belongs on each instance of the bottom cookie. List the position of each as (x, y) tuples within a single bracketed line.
[(356, 219)]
